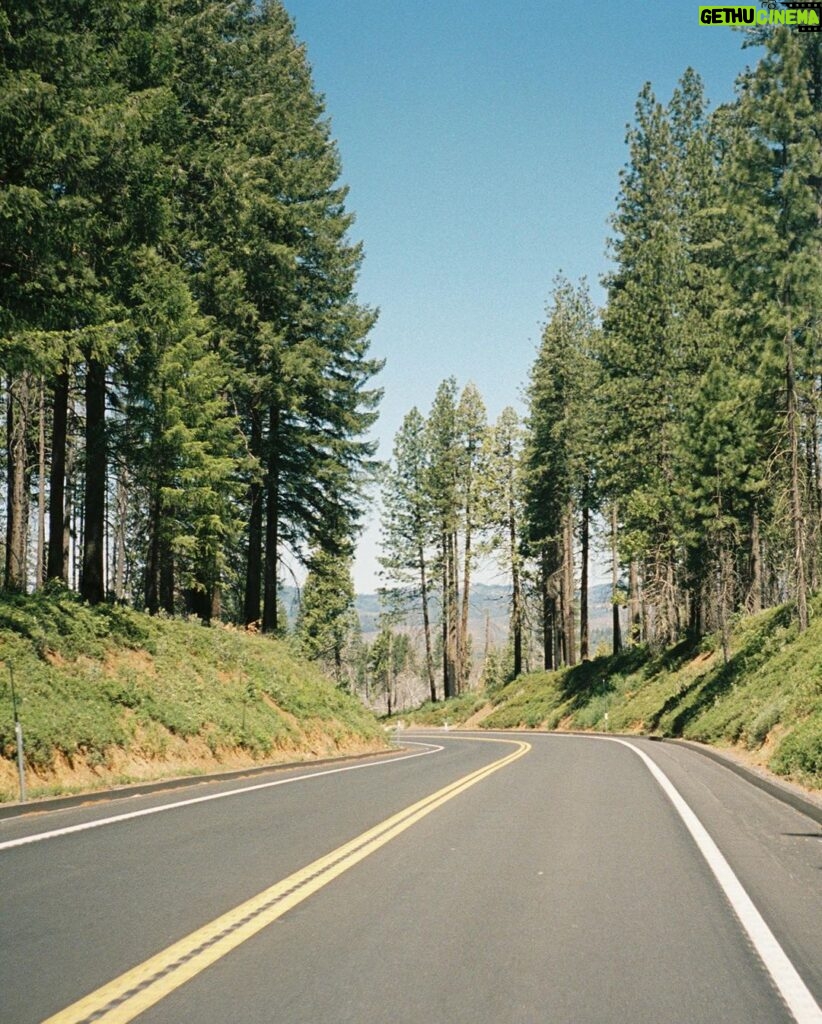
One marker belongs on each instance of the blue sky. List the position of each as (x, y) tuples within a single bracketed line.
[(482, 144)]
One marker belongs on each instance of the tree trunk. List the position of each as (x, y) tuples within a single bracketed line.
[(17, 503), (449, 612), (583, 587), (516, 590), (78, 533), (755, 594), (120, 513), (723, 584), (696, 611), (446, 682), (464, 662), (272, 524), (634, 614), (671, 605), (254, 575), (616, 634), (70, 510), (39, 574), (389, 682), (814, 471), (166, 577), (646, 623), (454, 618), (92, 581), (568, 587), (152, 589), (57, 567), (548, 610), (800, 586), (426, 625)]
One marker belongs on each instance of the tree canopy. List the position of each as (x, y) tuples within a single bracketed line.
[(179, 285)]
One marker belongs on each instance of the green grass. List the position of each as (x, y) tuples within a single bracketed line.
[(453, 712), (93, 682), (766, 700)]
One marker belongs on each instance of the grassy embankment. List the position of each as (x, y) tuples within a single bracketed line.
[(766, 702), (108, 695)]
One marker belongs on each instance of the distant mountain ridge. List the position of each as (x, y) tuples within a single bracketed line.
[(489, 612)]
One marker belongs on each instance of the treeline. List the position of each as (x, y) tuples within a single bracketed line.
[(451, 494), (685, 419), (186, 378)]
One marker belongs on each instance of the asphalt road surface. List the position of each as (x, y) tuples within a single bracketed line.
[(494, 879)]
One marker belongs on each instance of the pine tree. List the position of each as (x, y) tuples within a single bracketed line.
[(472, 480), (506, 516), (187, 137), (442, 485), (643, 352), (267, 221), (556, 459), (182, 442), (327, 624), (714, 452), (102, 195), (775, 179), (389, 655), (407, 529)]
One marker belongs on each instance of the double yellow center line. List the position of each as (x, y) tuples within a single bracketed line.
[(133, 992)]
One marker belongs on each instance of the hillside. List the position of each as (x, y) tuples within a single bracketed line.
[(108, 695), (766, 702)]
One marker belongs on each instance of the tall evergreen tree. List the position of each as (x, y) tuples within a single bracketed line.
[(188, 137), (653, 334), (407, 529), (557, 467), (184, 441), (276, 269), (442, 445), (472, 425), (775, 188), (506, 514), (327, 623)]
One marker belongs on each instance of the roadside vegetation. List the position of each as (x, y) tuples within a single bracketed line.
[(110, 695), (765, 701)]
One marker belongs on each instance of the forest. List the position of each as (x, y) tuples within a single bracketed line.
[(187, 384), (188, 391), (683, 419)]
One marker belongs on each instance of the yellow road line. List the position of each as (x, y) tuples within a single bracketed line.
[(133, 992)]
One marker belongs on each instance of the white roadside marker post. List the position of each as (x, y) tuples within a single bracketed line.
[(18, 733)]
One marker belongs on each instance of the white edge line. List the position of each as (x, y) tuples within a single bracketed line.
[(791, 987), (99, 822)]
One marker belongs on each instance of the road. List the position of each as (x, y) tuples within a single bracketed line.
[(503, 878)]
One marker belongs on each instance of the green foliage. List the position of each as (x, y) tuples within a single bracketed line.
[(180, 442), (800, 753), (454, 711), (327, 626), (498, 668), (389, 655), (768, 695), (438, 509), (173, 218), (406, 520), (557, 461), (91, 681)]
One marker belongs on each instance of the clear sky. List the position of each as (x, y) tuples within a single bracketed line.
[(482, 144)]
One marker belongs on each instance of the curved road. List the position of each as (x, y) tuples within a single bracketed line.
[(490, 879)]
